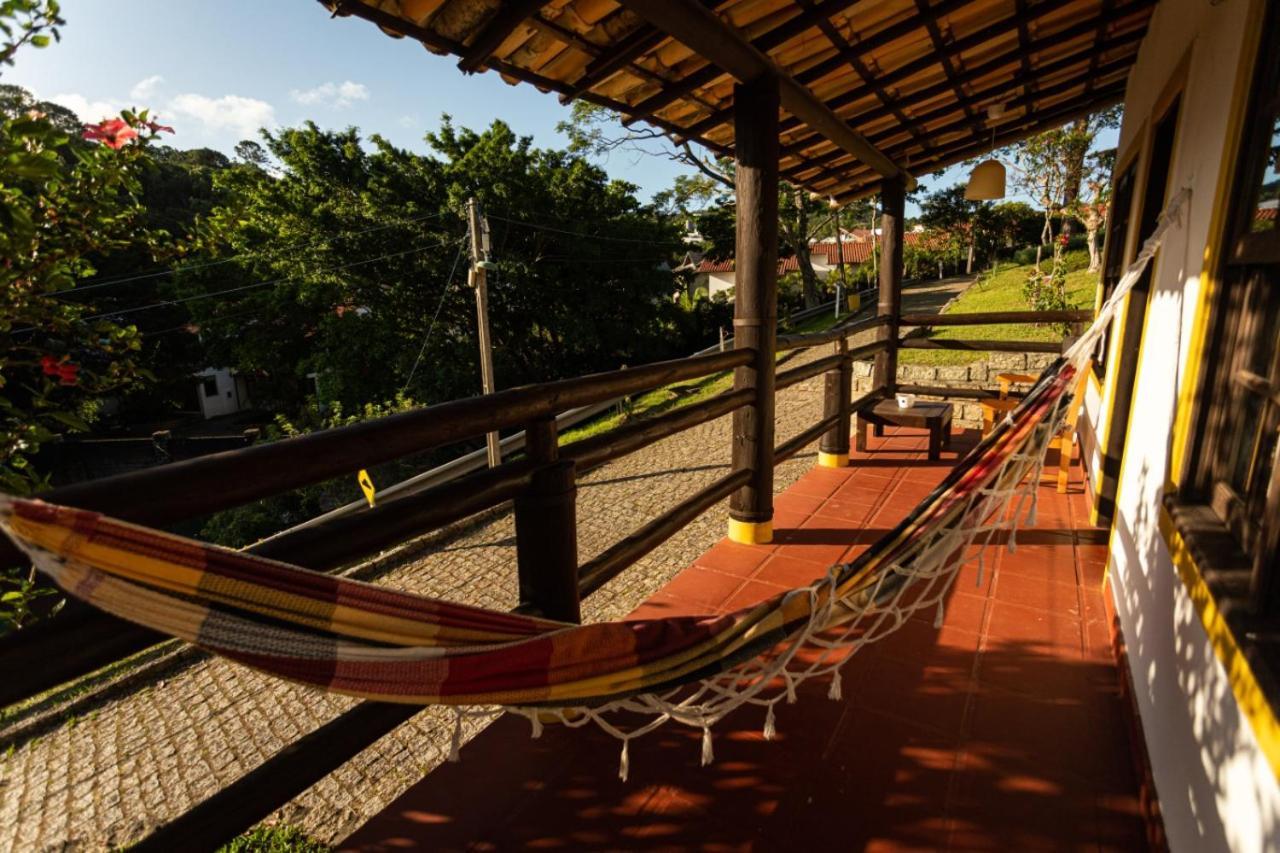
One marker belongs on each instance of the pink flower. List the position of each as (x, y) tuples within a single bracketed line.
[(112, 132), (156, 128)]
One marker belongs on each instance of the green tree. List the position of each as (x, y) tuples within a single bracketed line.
[(63, 203), (347, 265)]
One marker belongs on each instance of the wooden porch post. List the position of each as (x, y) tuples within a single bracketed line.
[(833, 450), (893, 201), (755, 303), (547, 529)]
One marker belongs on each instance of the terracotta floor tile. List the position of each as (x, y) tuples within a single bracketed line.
[(750, 594), (1013, 627), (1049, 562), (702, 586), (795, 502), (789, 571), (818, 486), (733, 559), (1037, 593), (963, 610), (846, 510), (819, 539)]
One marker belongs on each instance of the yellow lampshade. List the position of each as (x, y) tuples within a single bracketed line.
[(986, 182)]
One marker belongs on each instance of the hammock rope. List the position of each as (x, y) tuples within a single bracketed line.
[(367, 641)]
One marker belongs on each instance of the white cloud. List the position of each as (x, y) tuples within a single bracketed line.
[(87, 110), (230, 112), (334, 95), (145, 89)]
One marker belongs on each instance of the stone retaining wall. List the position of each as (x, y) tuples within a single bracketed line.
[(980, 374)]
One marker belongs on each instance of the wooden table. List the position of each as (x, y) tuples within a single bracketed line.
[(935, 417)]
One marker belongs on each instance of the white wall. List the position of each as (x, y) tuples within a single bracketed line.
[(225, 400), (1215, 786)]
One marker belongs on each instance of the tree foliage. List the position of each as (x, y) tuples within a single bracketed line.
[(347, 264)]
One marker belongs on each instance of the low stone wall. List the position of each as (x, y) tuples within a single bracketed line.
[(981, 374)]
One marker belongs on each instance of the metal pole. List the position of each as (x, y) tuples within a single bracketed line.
[(478, 278)]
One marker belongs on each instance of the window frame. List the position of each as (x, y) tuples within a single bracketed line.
[(1246, 269)]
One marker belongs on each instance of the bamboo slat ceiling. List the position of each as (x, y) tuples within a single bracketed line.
[(880, 86)]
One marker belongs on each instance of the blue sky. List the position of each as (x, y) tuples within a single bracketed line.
[(218, 69)]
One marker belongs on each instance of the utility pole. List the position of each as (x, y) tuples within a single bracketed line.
[(843, 287), (478, 227)]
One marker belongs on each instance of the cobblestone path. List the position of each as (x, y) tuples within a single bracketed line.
[(102, 779)]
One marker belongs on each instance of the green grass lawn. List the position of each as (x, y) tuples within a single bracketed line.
[(1003, 292), (662, 400)]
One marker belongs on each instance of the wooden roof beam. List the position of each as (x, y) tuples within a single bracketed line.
[(812, 15), (902, 72), (1062, 87), (945, 55), (864, 73), (509, 16), (705, 33), (1099, 99), (634, 45), (956, 151), (1044, 43), (1007, 86)]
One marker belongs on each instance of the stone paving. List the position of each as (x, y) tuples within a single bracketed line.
[(102, 779)]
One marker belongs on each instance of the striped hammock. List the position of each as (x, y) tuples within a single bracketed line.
[(369, 641)]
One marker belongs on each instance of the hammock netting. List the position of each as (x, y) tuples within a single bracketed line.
[(369, 641)]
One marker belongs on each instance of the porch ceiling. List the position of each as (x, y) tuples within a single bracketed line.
[(870, 87)]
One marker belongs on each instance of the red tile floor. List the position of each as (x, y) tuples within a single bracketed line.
[(1003, 730)]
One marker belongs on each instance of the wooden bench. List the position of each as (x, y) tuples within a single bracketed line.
[(935, 417)]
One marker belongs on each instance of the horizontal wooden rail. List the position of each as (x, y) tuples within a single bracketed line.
[(796, 443), (817, 367), (194, 487), (990, 318), (827, 336), (953, 393), (1054, 347), (604, 567), (618, 442), (795, 375)]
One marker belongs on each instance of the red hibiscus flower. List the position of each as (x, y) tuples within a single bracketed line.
[(156, 128), (67, 373), (49, 365), (112, 132)]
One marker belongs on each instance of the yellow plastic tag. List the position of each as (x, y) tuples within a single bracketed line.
[(366, 485)]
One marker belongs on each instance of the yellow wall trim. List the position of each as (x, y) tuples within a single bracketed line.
[(1251, 700)]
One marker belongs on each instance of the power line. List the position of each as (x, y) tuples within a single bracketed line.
[(541, 227), (462, 245), (275, 282), (95, 284)]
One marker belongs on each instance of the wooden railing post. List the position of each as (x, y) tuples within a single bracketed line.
[(893, 204), (547, 529), (755, 303), (833, 450)]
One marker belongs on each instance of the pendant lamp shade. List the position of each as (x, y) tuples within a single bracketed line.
[(986, 182)]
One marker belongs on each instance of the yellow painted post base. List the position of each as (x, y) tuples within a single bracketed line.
[(832, 460), (750, 532)]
